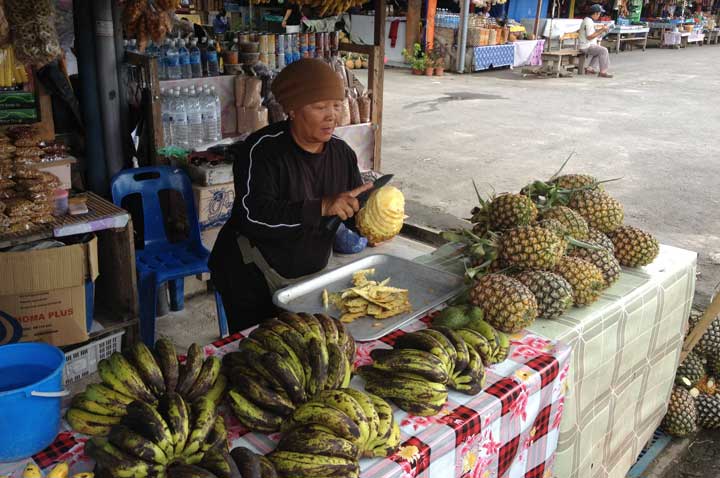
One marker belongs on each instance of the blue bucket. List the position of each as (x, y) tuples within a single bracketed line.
[(30, 396)]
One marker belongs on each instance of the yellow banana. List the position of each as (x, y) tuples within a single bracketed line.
[(60, 470), (32, 471)]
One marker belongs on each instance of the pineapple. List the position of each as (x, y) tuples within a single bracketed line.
[(553, 293), (714, 366), (509, 306), (600, 239), (707, 385), (708, 411), (634, 247), (710, 341), (681, 417), (585, 279), (603, 260), (575, 181), (511, 210), (531, 247), (574, 223), (558, 228), (692, 368), (382, 217), (598, 208)]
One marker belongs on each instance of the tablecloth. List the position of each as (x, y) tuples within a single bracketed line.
[(528, 52), (510, 430), (494, 56)]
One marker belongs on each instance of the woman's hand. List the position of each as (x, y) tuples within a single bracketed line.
[(284, 23), (344, 205)]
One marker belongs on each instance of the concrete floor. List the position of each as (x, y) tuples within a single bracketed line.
[(654, 124)]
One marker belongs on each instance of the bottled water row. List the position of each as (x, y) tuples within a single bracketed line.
[(191, 117), (180, 59), (445, 19)]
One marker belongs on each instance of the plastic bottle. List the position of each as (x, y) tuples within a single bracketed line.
[(179, 120), (196, 133), (213, 67), (162, 59), (203, 45), (172, 60), (210, 125), (132, 45), (184, 54), (218, 111), (195, 65), (166, 97)]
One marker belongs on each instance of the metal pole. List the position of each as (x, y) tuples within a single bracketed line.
[(465, 9), (537, 18)]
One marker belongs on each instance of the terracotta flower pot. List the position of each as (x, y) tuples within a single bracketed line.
[(417, 72), (429, 71), (439, 71)]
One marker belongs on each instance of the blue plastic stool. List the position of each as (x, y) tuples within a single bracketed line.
[(160, 260)]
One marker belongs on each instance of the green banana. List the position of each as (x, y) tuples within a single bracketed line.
[(413, 361), (272, 342), (217, 438), (177, 416), (82, 402), (472, 380), (296, 322), (190, 370), (147, 421), (247, 461), (346, 342), (107, 396), (503, 340), (421, 409), (259, 393), (426, 343), (317, 442), (477, 341), (267, 468), (252, 416), (337, 367), (390, 445), (385, 420), (194, 458), (189, 471), (90, 423), (445, 343), (405, 387), (118, 463), (203, 413), (137, 445), (328, 325), (168, 362), (315, 327), (319, 365), (129, 376), (216, 392), (109, 378), (461, 349), (148, 368), (232, 360), (291, 337), (291, 463), (285, 374), (349, 406), (370, 413), (316, 413), (215, 462), (252, 353), (209, 373)]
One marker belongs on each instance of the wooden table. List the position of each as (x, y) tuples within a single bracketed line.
[(628, 33)]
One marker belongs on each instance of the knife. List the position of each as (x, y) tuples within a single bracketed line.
[(334, 222)]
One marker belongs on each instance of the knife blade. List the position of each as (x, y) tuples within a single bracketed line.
[(334, 222)]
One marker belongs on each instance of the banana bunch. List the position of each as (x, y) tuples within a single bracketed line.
[(175, 439), (147, 376), (251, 465), (492, 345), (12, 73), (327, 435), (61, 470), (284, 363)]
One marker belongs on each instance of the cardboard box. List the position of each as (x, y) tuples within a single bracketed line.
[(46, 295), (213, 203), (251, 119)]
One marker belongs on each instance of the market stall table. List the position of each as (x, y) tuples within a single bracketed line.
[(712, 36), (493, 56), (509, 430), (628, 33), (528, 52), (682, 39)]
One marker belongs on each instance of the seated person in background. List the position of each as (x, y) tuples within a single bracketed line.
[(220, 23), (588, 44)]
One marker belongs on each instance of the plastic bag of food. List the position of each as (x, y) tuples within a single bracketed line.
[(32, 151), (26, 171), (253, 93), (364, 108), (18, 207), (354, 111), (33, 27), (6, 184), (25, 142), (345, 113), (8, 194), (7, 149), (23, 226)]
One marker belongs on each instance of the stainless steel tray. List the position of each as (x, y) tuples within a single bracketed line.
[(427, 288)]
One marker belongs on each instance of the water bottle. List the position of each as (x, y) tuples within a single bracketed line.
[(218, 111), (195, 66), (184, 55), (132, 45), (213, 67), (196, 133), (179, 120), (166, 97), (203, 45), (210, 125), (162, 60), (172, 61)]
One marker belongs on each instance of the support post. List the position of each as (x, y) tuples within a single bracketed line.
[(536, 27), (430, 24), (376, 78), (412, 24), (462, 47)]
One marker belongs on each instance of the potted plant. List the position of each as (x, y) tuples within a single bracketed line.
[(429, 66), (416, 59), (437, 56)]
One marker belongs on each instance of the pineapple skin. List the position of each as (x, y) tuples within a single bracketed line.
[(586, 279), (510, 210), (531, 247), (681, 417), (598, 208), (553, 294), (634, 247), (603, 260), (509, 306)]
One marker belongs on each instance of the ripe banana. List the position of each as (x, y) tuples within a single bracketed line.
[(296, 322), (413, 361), (252, 416), (206, 378), (98, 392), (316, 328), (116, 462), (346, 342), (329, 328), (477, 341), (272, 342), (204, 412), (290, 463), (90, 423), (461, 349), (137, 445), (421, 409), (267, 468), (247, 461), (82, 402), (291, 337), (215, 394), (338, 368), (391, 444), (147, 421), (370, 413), (148, 368), (191, 369), (285, 374), (217, 438), (168, 362), (445, 343), (188, 471), (406, 388), (427, 343), (472, 380), (215, 462), (109, 378), (259, 393), (316, 413), (130, 377), (385, 419), (349, 406), (32, 471), (60, 470), (252, 354), (177, 416), (319, 365), (86, 474), (318, 442)]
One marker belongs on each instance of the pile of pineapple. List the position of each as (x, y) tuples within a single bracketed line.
[(556, 244), (695, 399)]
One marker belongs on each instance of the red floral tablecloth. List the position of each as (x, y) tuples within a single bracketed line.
[(509, 430)]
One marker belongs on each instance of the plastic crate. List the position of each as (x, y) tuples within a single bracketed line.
[(81, 362)]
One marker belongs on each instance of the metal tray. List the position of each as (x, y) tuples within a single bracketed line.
[(427, 288)]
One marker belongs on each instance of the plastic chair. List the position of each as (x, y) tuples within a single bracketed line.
[(160, 260)]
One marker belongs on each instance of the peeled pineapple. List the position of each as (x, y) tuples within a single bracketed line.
[(382, 217)]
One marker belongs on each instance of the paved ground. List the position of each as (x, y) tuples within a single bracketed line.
[(655, 124)]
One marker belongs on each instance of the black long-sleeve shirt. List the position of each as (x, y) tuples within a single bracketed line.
[(278, 192)]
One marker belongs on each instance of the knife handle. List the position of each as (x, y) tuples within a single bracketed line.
[(333, 223)]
